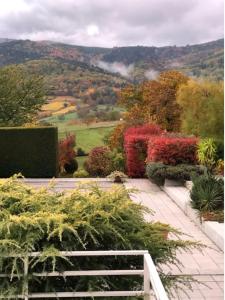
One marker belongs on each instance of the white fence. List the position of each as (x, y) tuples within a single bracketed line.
[(153, 288)]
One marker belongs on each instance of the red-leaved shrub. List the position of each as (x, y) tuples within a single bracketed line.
[(135, 147), (172, 151), (147, 130), (67, 153), (99, 162)]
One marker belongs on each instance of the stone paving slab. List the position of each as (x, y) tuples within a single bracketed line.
[(207, 267)]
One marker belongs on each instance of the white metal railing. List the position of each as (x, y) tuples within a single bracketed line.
[(152, 282)]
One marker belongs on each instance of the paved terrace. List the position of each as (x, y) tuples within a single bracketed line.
[(207, 267)]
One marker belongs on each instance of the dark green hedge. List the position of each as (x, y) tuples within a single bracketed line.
[(30, 151)]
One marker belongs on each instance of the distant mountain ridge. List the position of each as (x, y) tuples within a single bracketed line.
[(70, 69)]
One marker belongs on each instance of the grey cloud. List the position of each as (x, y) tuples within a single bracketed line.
[(120, 22)]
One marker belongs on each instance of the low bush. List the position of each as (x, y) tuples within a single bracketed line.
[(206, 153), (81, 174), (67, 153), (219, 149), (118, 160), (172, 151), (158, 172), (85, 219), (207, 193), (99, 162), (71, 166)]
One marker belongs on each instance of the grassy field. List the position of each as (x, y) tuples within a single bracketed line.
[(81, 160), (87, 136)]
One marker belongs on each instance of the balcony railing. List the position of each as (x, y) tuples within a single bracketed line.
[(152, 285)]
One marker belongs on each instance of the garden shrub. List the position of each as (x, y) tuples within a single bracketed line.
[(85, 219), (99, 162), (81, 174), (67, 154), (219, 149), (207, 193), (158, 172), (71, 166), (172, 151), (135, 144), (31, 151), (118, 160), (206, 153)]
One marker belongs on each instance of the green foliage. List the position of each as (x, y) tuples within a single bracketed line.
[(207, 193), (219, 149), (118, 160), (158, 172), (84, 219), (31, 151), (206, 153), (71, 166), (203, 102), (81, 174), (21, 96)]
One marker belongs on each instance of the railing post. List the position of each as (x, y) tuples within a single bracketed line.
[(26, 287), (147, 295)]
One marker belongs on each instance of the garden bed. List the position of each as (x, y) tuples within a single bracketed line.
[(214, 230)]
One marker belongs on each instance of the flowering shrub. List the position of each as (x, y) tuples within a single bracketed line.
[(172, 151), (99, 162), (67, 153), (136, 143)]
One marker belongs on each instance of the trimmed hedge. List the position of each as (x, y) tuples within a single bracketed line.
[(30, 151), (172, 151), (135, 147)]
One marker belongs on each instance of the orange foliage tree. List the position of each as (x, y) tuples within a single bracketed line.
[(154, 101)]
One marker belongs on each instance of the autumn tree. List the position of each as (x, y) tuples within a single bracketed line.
[(154, 101), (202, 104), (21, 96)]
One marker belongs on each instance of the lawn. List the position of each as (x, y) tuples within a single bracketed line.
[(87, 136), (81, 160)]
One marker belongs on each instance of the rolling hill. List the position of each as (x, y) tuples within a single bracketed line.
[(95, 74)]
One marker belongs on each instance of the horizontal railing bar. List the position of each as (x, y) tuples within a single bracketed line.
[(91, 273), (86, 294), (88, 253), (78, 295), (96, 253), (81, 273), (155, 280)]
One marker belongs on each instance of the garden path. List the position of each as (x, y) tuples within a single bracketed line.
[(207, 267)]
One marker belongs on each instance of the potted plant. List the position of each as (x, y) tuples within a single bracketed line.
[(117, 177)]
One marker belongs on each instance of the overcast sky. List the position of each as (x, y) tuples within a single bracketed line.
[(111, 23)]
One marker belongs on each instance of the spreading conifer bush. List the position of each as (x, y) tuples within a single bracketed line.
[(84, 219)]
